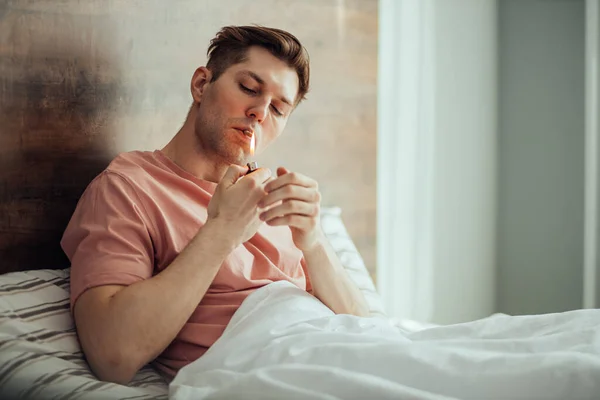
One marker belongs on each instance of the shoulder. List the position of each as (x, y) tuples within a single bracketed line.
[(128, 172), (132, 165), (123, 177)]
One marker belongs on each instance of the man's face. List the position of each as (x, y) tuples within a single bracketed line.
[(256, 95)]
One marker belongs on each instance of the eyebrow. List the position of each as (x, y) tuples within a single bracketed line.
[(262, 82)]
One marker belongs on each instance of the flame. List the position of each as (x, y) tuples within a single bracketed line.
[(252, 144)]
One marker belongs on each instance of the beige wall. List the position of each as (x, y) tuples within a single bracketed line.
[(83, 80)]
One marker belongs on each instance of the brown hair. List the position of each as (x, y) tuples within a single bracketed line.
[(231, 43)]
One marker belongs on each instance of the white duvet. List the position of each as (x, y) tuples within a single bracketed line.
[(283, 343)]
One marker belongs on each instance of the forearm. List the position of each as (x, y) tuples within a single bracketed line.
[(141, 320), (331, 283)]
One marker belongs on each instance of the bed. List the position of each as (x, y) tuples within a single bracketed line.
[(79, 81), (266, 352), (40, 356)]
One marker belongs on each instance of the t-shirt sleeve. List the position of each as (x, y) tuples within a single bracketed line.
[(107, 239)]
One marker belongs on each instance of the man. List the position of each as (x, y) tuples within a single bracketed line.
[(165, 245)]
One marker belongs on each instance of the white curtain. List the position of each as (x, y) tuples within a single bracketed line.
[(436, 158), (405, 157)]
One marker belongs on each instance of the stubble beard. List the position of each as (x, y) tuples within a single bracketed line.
[(213, 142)]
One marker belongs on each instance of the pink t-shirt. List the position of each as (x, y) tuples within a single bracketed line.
[(138, 215)]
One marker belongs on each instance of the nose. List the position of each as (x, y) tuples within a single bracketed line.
[(258, 111)]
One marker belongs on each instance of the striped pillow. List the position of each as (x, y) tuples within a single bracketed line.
[(40, 356), (335, 230)]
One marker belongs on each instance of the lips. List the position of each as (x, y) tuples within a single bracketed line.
[(245, 129)]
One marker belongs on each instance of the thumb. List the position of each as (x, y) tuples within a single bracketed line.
[(282, 171), (233, 173)]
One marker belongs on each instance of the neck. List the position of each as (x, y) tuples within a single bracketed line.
[(185, 151)]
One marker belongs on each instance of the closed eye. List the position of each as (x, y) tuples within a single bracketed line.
[(253, 93), (279, 113), (247, 89)]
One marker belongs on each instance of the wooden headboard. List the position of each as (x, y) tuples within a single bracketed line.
[(56, 109), (81, 81)]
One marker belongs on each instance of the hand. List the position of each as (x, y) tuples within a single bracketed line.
[(235, 201), (293, 199)]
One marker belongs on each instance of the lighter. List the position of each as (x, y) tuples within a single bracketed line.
[(252, 165)]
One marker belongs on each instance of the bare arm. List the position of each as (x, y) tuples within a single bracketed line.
[(331, 283), (123, 328)]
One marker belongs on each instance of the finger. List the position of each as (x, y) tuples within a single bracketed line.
[(259, 176), (290, 207), (290, 178), (270, 206), (301, 222), (290, 192), (233, 173), (282, 171)]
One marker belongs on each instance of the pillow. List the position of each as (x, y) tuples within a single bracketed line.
[(336, 233), (40, 356)]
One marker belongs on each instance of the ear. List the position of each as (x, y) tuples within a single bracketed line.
[(201, 78)]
